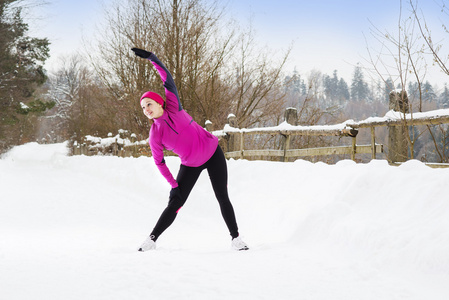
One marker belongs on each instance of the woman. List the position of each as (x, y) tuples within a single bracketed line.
[(175, 130)]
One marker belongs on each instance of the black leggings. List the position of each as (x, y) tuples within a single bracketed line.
[(187, 177)]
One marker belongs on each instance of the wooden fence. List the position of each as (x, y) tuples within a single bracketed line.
[(234, 138), (347, 129)]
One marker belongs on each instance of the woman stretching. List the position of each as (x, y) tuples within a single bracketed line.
[(175, 130)]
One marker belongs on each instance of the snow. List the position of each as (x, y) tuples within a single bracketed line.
[(98, 142), (348, 124), (395, 116), (70, 227), (284, 126)]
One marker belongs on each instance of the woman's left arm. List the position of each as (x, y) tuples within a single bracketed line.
[(173, 103), (171, 92)]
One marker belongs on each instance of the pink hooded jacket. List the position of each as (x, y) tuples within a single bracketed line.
[(175, 130)]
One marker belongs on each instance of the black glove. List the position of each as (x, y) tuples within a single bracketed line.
[(175, 197), (175, 193), (141, 53)]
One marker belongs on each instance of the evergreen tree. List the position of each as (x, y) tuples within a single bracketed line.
[(343, 91), (21, 72), (295, 84), (389, 86), (336, 89), (294, 88), (359, 88), (428, 92), (331, 86), (413, 91), (444, 97)]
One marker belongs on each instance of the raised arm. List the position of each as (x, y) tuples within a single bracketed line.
[(171, 92)]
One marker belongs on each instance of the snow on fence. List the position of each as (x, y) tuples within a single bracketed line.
[(123, 144), (398, 124)]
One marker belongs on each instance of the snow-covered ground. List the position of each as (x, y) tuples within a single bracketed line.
[(70, 228)]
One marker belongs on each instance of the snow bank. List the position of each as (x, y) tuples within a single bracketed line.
[(36, 152), (70, 227)]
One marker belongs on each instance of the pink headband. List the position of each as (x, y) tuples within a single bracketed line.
[(153, 96)]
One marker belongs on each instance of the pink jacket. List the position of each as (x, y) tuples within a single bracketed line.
[(175, 130)]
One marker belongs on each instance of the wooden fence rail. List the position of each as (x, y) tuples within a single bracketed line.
[(338, 150)]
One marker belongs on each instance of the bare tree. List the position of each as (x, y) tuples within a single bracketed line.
[(198, 45), (425, 32), (441, 61), (258, 96), (184, 36), (401, 55), (82, 105), (404, 57)]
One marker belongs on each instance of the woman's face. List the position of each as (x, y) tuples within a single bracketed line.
[(151, 108)]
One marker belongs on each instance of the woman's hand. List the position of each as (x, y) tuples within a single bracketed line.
[(175, 193), (141, 53), (175, 199)]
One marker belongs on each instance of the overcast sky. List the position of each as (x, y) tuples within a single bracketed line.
[(326, 35)]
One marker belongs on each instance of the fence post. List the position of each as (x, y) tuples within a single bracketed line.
[(291, 117), (241, 145), (76, 148), (134, 145), (397, 135), (83, 148), (208, 125), (354, 148), (232, 121), (373, 143)]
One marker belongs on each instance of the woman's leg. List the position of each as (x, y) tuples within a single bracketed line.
[(218, 173), (187, 177)]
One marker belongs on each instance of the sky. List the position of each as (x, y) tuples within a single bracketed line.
[(326, 35)]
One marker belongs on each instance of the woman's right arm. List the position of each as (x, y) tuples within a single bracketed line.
[(157, 150)]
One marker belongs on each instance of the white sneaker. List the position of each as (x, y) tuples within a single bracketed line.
[(148, 244), (238, 244)]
